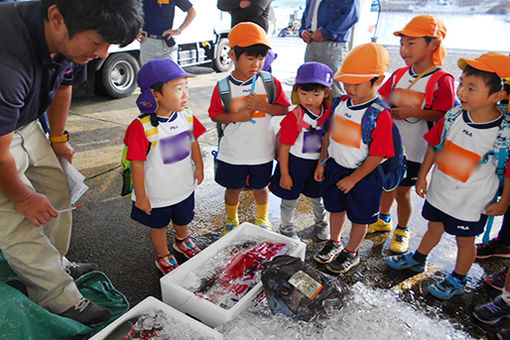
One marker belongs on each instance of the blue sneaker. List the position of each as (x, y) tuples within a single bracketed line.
[(447, 288), (406, 261)]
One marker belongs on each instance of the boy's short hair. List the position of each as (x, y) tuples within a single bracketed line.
[(252, 50), (247, 34), (492, 67), (116, 21), (490, 79)]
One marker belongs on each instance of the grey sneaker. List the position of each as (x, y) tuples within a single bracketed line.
[(329, 252), (88, 313), (343, 262), (289, 231), (321, 230), (75, 270)]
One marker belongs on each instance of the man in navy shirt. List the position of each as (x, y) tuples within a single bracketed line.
[(41, 41), (157, 33), (326, 28)]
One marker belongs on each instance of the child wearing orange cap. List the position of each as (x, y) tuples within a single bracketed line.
[(352, 186), (419, 94), (243, 104), (468, 147)]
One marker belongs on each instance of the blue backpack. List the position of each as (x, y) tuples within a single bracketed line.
[(499, 153), (393, 169)]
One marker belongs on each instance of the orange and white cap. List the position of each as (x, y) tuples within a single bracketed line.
[(247, 34), (363, 63), (427, 26), (490, 62)]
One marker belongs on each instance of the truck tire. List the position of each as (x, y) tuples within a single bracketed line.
[(118, 75), (222, 61)]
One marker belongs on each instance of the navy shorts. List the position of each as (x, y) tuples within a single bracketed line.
[(180, 214), (452, 225), (301, 171), (233, 176), (362, 202), (413, 168)]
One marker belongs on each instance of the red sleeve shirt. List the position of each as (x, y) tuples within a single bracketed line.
[(433, 137), (386, 88), (444, 96), (382, 136), (288, 126), (216, 106), (138, 144)]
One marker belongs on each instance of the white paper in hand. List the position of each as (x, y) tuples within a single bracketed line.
[(75, 180)]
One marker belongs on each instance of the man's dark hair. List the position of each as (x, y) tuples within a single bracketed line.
[(158, 86), (117, 21), (373, 80), (428, 39), (491, 79), (252, 51)]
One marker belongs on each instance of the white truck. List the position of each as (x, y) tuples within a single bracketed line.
[(203, 42)]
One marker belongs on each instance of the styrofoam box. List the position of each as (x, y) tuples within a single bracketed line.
[(152, 304), (202, 309)]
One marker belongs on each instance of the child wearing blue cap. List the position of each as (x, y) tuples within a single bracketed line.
[(165, 159), (301, 134)]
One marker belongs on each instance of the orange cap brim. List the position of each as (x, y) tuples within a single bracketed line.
[(463, 62)]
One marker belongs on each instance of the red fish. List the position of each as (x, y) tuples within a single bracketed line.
[(241, 272)]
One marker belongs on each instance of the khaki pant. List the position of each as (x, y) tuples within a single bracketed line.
[(35, 253)]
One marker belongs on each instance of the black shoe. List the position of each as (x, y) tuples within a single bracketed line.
[(492, 313), (343, 262), (497, 280), (503, 334), (88, 313), (75, 270), (493, 248), (329, 252)]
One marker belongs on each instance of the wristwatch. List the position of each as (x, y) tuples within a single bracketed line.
[(60, 139)]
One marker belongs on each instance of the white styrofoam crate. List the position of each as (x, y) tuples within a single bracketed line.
[(207, 312), (152, 304)]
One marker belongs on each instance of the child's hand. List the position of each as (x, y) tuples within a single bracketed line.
[(421, 186), (318, 175), (402, 112), (199, 175), (255, 103), (243, 115), (286, 182), (346, 184), (143, 203), (495, 209)]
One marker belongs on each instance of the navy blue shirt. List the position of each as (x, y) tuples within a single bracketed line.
[(29, 76), (159, 16)]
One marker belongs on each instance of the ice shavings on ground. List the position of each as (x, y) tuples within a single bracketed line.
[(367, 314)]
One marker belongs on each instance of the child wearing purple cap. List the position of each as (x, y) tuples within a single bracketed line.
[(301, 134), (165, 159)]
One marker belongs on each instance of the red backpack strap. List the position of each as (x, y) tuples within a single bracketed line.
[(431, 86), (397, 75)]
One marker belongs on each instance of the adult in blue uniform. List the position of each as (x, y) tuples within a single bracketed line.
[(40, 42), (158, 32), (326, 29)]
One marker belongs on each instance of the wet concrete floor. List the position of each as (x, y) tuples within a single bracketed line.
[(104, 233)]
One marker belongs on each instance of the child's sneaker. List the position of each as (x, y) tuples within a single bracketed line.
[(406, 261), (493, 248), (264, 223), (343, 262), (497, 280), (321, 230), (380, 226), (400, 242), (229, 225), (447, 288), (186, 247), (492, 313), (166, 263), (289, 231), (329, 252), (503, 334)]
